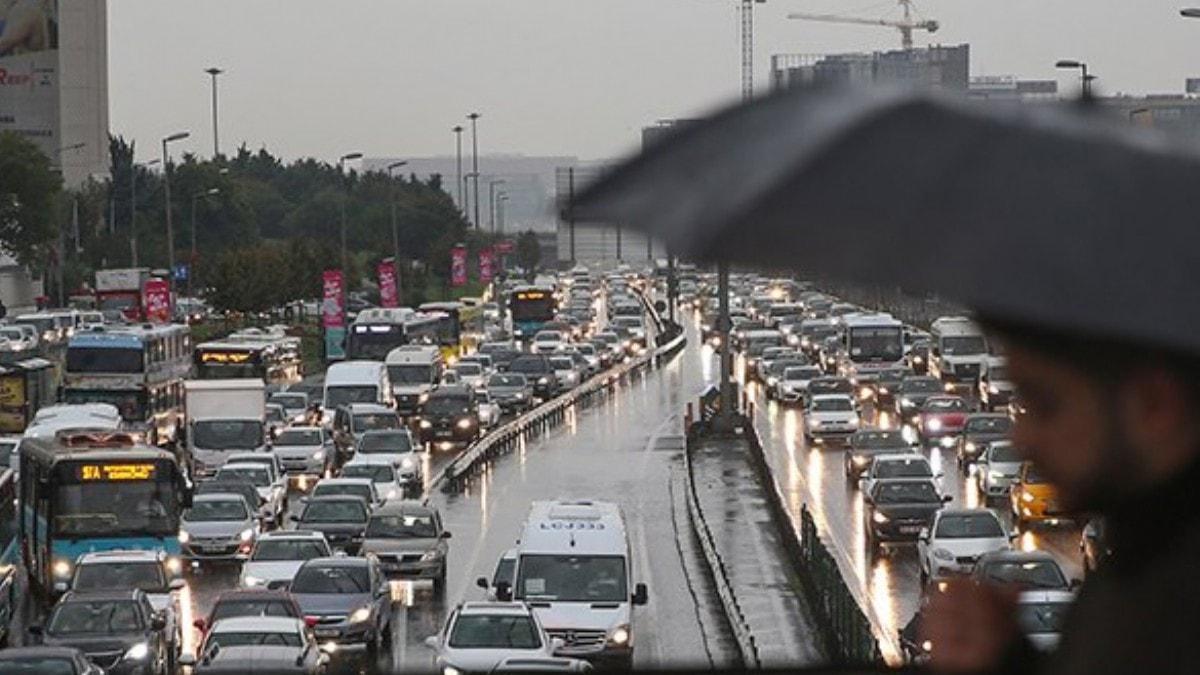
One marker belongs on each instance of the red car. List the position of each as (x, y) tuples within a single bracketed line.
[(942, 417), (250, 602)]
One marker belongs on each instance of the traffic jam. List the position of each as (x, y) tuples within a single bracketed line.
[(898, 439), (210, 507)]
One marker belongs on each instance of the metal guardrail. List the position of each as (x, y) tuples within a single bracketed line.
[(747, 646)]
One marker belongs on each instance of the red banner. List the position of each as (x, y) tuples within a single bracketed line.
[(458, 266), (387, 284), (333, 310), (486, 269), (156, 300), (505, 246)]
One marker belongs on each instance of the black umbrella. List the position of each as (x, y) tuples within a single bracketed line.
[(1054, 215)]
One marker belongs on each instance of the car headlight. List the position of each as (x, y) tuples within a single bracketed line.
[(361, 614), (465, 423), (969, 447), (431, 554), (620, 636), (949, 387), (934, 424), (320, 454), (1027, 497), (804, 342), (184, 537), (251, 580), (883, 390), (772, 381), (860, 460), (943, 554), (247, 534), (422, 397), (864, 392), (917, 359), (62, 568), (137, 652), (879, 518), (408, 462), (993, 389), (814, 423), (906, 402), (174, 566), (520, 396), (450, 670), (948, 442), (426, 424), (543, 380), (392, 494)]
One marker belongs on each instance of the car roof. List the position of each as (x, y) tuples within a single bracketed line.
[(52, 651), (1019, 556), (405, 506), (122, 556), (833, 397), (337, 498), (337, 561), (257, 624), (344, 481), (451, 391), (290, 534), (356, 408), (101, 595), (512, 608), (967, 512), (378, 459), (253, 594), (300, 427), (1046, 595), (251, 458), (901, 457)]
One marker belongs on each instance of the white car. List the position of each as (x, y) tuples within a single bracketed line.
[(997, 468), (956, 540), (793, 386), (305, 452), (488, 410), (565, 371), (830, 416), (281, 644), (478, 636), (548, 342), (363, 488), (396, 445), (589, 353), (390, 483), (278, 555), (13, 339), (471, 374)]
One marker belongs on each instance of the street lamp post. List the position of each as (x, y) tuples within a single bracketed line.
[(214, 72), (1190, 12), (345, 197), (133, 244), (395, 235), (1085, 77), (167, 194), (501, 199), (474, 117), (192, 258), (492, 202), (458, 154)]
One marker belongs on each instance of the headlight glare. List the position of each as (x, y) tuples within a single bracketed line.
[(879, 518), (246, 534), (137, 652), (361, 614)]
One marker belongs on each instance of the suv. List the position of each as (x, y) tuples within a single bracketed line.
[(119, 631), (450, 415), (409, 541), (151, 572), (540, 373)]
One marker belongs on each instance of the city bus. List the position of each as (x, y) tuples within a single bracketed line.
[(378, 330), (138, 369), (9, 550), (529, 309), (871, 343), (460, 327), (271, 356), (90, 490)]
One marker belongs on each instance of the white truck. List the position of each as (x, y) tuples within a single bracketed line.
[(960, 351), (223, 417)]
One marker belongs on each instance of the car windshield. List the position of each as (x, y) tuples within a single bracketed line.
[(253, 638), (227, 609), (878, 439), (1033, 476), (989, 425), (940, 405), (805, 373), (217, 510), (969, 526), (298, 437), (469, 369), (340, 511), (507, 381), (830, 386), (227, 434), (346, 394), (1003, 453), (101, 617), (38, 665), (503, 631), (920, 385), (404, 526), (411, 374), (964, 346), (547, 337), (562, 363), (1042, 617), (275, 414), (273, 550), (385, 441), (572, 578), (326, 579), (289, 401), (905, 492), (379, 473), (832, 405), (917, 467), (372, 421), (146, 576), (1033, 573), (447, 405), (257, 476), (324, 489)]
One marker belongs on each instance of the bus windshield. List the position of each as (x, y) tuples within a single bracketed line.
[(373, 342), (411, 374), (104, 360), (532, 306), (112, 508), (876, 344), (131, 404)]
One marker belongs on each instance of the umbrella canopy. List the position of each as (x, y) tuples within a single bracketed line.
[(1051, 215)]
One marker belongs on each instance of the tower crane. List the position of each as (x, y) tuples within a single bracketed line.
[(747, 12), (906, 25)]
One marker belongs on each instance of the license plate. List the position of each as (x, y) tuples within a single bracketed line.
[(910, 529), (444, 434), (212, 549), (326, 632)]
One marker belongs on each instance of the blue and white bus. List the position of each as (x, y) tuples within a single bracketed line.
[(95, 490), (138, 369), (530, 308), (9, 550)]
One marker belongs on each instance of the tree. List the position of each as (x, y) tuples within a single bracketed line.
[(28, 190), (529, 253)]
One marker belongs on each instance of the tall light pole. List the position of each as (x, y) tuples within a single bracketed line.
[(214, 72), (345, 197), (395, 234), (458, 154), (1190, 12), (1085, 77), (466, 183), (167, 193), (492, 202), (133, 244), (192, 258), (501, 198), (474, 117)]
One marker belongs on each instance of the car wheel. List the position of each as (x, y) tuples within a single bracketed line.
[(439, 584), (373, 649)]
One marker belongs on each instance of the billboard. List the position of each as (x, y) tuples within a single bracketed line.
[(333, 314), (458, 266), (486, 266), (387, 284), (156, 297), (29, 72)]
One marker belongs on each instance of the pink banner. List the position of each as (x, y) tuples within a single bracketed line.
[(486, 268), (333, 310), (458, 266), (156, 297), (387, 284)]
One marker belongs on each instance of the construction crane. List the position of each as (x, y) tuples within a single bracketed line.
[(747, 11), (906, 25)]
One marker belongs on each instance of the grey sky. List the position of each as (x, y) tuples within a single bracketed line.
[(581, 77)]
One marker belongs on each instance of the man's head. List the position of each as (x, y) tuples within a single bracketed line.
[(1104, 421)]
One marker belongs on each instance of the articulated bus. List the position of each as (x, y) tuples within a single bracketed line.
[(530, 308), (95, 490), (460, 330), (138, 369), (271, 356), (378, 330)]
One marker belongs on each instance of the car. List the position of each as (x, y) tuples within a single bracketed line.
[(348, 599), (892, 467), (276, 419), (277, 555), (566, 372), (548, 342), (152, 572), (117, 630), (408, 539), (395, 445), (919, 352), (392, 481), (502, 353), (219, 527), (478, 636), (295, 405), (1033, 499), (897, 510), (1035, 570), (591, 357), (997, 468), (483, 359), (524, 664), (830, 416), (995, 388), (792, 387), (252, 644), (353, 420), (612, 344), (769, 356), (978, 430), (941, 419), (912, 393), (450, 416), (470, 374), (957, 539), (887, 386), (511, 391), (489, 410), (251, 602), (1094, 545), (866, 444), (341, 518), (773, 371), (1041, 616), (363, 488), (830, 385), (503, 577), (305, 452), (46, 660), (271, 487)]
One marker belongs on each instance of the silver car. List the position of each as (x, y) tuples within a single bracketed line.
[(258, 644), (409, 541), (218, 527), (304, 452), (997, 469)]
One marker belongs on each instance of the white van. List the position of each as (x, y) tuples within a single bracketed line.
[(356, 382), (414, 371), (574, 570)]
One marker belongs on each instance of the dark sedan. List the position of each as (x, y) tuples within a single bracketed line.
[(450, 416), (867, 444), (1030, 570), (979, 430), (897, 510), (912, 394), (46, 659), (348, 600), (119, 631), (341, 518), (540, 373)]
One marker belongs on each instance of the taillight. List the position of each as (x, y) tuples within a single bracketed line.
[(310, 621)]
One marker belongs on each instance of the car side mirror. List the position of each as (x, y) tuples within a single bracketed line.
[(384, 590), (1076, 583), (446, 535), (482, 582), (187, 659), (200, 625), (158, 622), (947, 498), (1014, 535), (504, 591), (35, 630), (556, 644), (433, 642), (294, 518), (177, 584), (640, 595)]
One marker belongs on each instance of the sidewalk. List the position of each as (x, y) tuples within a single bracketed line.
[(734, 506)]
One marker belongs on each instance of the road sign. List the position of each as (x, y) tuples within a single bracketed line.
[(505, 246), (181, 271)]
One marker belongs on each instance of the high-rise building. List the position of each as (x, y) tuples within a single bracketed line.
[(940, 67)]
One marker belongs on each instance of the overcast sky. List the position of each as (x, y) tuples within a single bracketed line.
[(573, 77)]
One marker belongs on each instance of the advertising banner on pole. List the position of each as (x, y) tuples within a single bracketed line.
[(458, 266), (387, 283), (486, 268), (29, 74), (156, 296), (333, 314)]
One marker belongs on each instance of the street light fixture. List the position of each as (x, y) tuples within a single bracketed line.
[(166, 161), (1085, 77), (492, 202), (395, 234), (214, 72), (192, 259), (1190, 13), (341, 171)]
